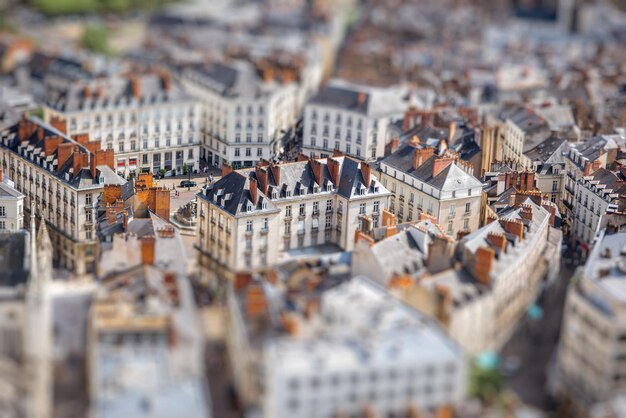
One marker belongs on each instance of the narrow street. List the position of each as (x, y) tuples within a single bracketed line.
[(534, 343)]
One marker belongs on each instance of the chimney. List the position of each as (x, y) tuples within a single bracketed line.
[(147, 250), (514, 227), (443, 302), (25, 129), (441, 164), (366, 173), (483, 263), (360, 236), (439, 254), (226, 170), (595, 166), (312, 308), (389, 219), (126, 223), (526, 212), (253, 190), (497, 240), (64, 151), (50, 144), (40, 133), (261, 175), (80, 161), (87, 92), (408, 122), (451, 132), (530, 180), (112, 192), (275, 173), (421, 155), (135, 86), (58, 123), (316, 168), (552, 211), (391, 231), (289, 323), (242, 280), (268, 74), (508, 176), (166, 81), (302, 157), (105, 157), (82, 139), (333, 168), (587, 169), (361, 97)]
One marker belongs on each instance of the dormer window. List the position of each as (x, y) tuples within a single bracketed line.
[(264, 205), (288, 193), (274, 194), (376, 189), (316, 189), (302, 191), (101, 179), (249, 207)]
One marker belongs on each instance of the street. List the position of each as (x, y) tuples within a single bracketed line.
[(534, 343)]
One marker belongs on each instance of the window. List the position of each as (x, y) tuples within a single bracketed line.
[(265, 223), (88, 199), (3, 211), (329, 221), (259, 138), (329, 205), (376, 206), (468, 207), (237, 138), (121, 147), (316, 207), (248, 152), (302, 211), (248, 226), (466, 223), (237, 152), (288, 210), (452, 209), (362, 209), (259, 152), (555, 185), (450, 227), (2, 225)]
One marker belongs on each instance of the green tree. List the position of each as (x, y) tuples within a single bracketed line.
[(65, 7), (485, 383), (96, 39)]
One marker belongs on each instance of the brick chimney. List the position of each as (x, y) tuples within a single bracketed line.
[(515, 227), (439, 254), (587, 169), (595, 166), (135, 86), (497, 240), (40, 133), (82, 139), (526, 212), (333, 168), (105, 157), (388, 218), (360, 236), (421, 155), (361, 97), (147, 250), (81, 160), (451, 132), (59, 124), (409, 120), (50, 144), (166, 80), (253, 190), (87, 93), (275, 173), (552, 211), (242, 280), (25, 129), (289, 323), (64, 151), (483, 264), (441, 164), (316, 168), (226, 170), (112, 192), (261, 175), (366, 173)]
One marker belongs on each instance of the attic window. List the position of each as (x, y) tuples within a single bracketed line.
[(101, 179), (376, 189), (249, 207), (316, 189), (288, 193), (264, 205), (302, 191), (274, 194)]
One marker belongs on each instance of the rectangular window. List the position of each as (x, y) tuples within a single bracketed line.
[(248, 226), (302, 211), (329, 205), (3, 212), (466, 224), (88, 199), (362, 209), (468, 207), (259, 152), (288, 210), (316, 207), (376, 206), (265, 223), (329, 221), (248, 152), (237, 152), (2, 225)]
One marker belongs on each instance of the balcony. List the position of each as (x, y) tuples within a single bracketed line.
[(569, 189), (316, 213), (263, 231), (249, 233), (301, 232)]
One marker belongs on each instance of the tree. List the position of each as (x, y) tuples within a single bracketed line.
[(96, 39), (485, 383)]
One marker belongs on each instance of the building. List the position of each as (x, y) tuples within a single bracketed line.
[(11, 206), (246, 110), (25, 323), (351, 119), (351, 349), (146, 119), (61, 179), (145, 346), (596, 195), (523, 130), (250, 216), (582, 159), (441, 186), (590, 360)]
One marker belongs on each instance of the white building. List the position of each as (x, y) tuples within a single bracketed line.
[(244, 114), (353, 349), (61, 180), (441, 186), (596, 195), (591, 365), (146, 119), (352, 119), (249, 217), (11, 207), (145, 345)]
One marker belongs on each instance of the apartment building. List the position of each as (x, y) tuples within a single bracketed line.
[(441, 186), (582, 159), (144, 344), (245, 114), (351, 119), (146, 119), (596, 195), (250, 216), (523, 130), (349, 350), (590, 362), (11, 206), (61, 180)]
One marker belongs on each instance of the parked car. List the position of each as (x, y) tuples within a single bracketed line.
[(188, 183)]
